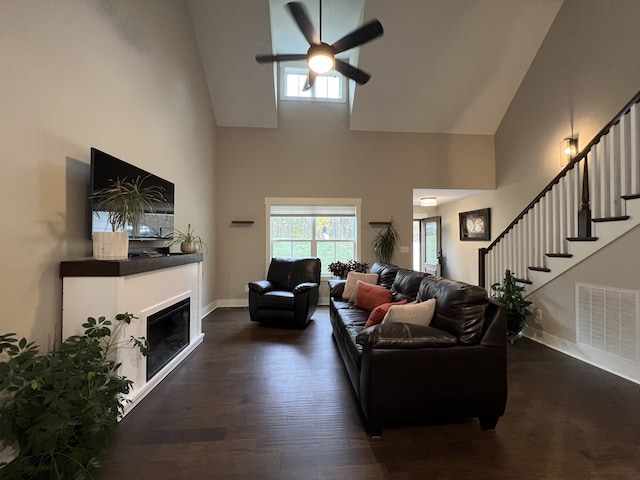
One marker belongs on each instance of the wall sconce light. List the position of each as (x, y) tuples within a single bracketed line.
[(428, 201), (568, 150)]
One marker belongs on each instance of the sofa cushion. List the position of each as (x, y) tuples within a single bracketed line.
[(386, 273), (415, 313), (460, 307), (378, 313), (278, 299), (369, 296), (336, 288), (405, 335), (406, 284), (352, 280)]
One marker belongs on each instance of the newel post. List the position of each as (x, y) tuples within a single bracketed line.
[(584, 214), (482, 253)]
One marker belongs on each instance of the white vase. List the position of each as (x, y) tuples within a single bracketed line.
[(110, 245)]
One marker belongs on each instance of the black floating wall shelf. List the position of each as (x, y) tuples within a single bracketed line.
[(242, 222), (379, 223)]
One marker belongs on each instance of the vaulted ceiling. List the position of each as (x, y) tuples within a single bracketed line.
[(442, 66)]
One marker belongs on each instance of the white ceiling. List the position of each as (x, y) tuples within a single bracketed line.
[(442, 66)]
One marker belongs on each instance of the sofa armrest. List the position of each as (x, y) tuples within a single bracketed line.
[(304, 287), (261, 286), (404, 335), (336, 288)]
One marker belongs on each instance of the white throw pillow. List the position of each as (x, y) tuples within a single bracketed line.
[(352, 279), (416, 313)]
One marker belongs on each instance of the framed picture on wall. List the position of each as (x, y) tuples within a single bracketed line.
[(475, 225)]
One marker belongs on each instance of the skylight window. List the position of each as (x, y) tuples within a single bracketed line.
[(328, 87)]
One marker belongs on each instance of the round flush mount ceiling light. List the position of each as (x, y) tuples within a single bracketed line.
[(428, 201)]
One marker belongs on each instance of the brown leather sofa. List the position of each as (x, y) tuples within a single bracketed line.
[(401, 373)]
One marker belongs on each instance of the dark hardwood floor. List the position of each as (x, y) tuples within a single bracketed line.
[(256, 402)]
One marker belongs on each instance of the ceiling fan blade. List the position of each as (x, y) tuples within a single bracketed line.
[(281, 58), (361, 77), (361, 35), (301, 17), (311, 79)]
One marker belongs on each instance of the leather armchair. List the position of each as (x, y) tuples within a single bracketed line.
[(289, 295)]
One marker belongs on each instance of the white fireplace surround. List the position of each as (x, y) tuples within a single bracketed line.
[(142, 294)]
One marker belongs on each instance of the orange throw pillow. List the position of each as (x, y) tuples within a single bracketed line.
[(378, 313), (370, 296)]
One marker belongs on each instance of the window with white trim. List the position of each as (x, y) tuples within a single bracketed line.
[(328, 87), (323, 228)]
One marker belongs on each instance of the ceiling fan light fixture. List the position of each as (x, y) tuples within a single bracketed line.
[(320, 58)]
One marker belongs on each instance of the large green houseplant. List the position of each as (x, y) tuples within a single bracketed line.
[(513, 297), (126, 202), (386, 241), (61, 408)]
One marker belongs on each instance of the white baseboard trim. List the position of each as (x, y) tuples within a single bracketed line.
[(607, 362), (207, 309), (242, 303)]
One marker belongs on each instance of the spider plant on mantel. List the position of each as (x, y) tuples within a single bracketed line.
[(189, 241), (125, 202)]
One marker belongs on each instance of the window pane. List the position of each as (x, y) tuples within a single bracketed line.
[(321, 87), (282, 249), (338, 228), (333, 87), (301, 249), (329, 238), (301, 228), (326, 87)]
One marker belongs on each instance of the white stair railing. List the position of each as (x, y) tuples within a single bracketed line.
[(611, 164)]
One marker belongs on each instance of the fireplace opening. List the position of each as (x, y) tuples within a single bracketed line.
[(167, 335)]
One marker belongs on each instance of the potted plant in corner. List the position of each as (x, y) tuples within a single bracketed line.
[(512, 296), (125, 202), (385, 242), (189, 241), (60, 408)]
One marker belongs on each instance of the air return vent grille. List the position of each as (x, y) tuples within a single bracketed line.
[(607, 319)]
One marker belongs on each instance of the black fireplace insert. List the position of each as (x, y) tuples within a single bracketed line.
[(167, 334)]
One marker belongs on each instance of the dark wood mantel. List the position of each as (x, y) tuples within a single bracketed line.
[(90, 267)]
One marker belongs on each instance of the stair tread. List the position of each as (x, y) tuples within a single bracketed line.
[(582, 239), (523, 280), (559, 255), (540, 269), (631, 197), (611, 219)]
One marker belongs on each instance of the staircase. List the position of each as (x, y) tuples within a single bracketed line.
[(591, 202)]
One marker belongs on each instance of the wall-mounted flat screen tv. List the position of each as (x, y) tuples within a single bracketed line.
[(157, 224)]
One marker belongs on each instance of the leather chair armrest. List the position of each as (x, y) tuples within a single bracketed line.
[(336, 288), (404, 335), (261, 286), (304, 287)]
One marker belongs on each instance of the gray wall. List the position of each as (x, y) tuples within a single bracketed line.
[(313, 154), (586, 70), (124, 77)]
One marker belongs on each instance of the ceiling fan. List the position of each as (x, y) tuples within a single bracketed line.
[(321, 57)]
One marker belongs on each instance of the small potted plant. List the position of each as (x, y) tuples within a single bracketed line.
[(188, 240), (512, 296), (385, 242), (126, 202), (342, 269)]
